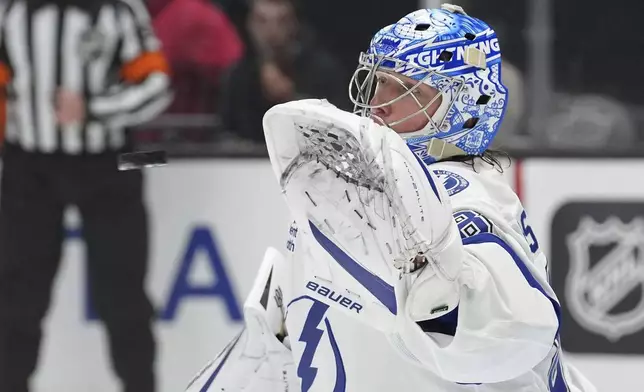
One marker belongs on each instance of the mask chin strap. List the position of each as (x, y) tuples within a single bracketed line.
[(438, 149)]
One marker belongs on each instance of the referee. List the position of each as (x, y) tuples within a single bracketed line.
[(74, 75)]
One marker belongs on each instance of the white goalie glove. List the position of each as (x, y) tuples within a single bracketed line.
[(256, 360), (359, 189)]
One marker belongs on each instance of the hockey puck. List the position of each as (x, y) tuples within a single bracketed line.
[(141, 159)]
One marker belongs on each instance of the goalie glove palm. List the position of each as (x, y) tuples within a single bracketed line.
[(358, 185)]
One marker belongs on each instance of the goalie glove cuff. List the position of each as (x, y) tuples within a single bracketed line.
[(436, 290)]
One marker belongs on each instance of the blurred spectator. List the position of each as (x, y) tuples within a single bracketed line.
[(283, 63), (200, 43), (589, 122), (237, 11)]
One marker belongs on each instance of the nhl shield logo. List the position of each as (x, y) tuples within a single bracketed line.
[(598, 282)]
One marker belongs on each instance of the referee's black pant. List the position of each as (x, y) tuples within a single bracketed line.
[(35, 190)]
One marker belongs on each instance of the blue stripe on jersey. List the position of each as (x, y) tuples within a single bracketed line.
[(341, 376), (556, 378), (214, 374), (299, 299), (491, 238), (376, 286)]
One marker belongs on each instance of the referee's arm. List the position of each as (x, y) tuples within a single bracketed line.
[(143, 90)]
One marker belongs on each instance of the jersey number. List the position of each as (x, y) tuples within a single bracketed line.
[(528, 233)]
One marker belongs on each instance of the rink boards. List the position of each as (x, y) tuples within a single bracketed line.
[(211, 221)]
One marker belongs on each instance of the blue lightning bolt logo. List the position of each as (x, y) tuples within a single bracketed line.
[(310, 336)]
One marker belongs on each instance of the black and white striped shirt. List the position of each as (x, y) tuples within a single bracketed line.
[(104, 49)]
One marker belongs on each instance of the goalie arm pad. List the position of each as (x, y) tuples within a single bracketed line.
[(259, 359), (507, 320)]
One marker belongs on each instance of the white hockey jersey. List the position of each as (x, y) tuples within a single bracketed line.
[(480, 345), (358, 322)]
